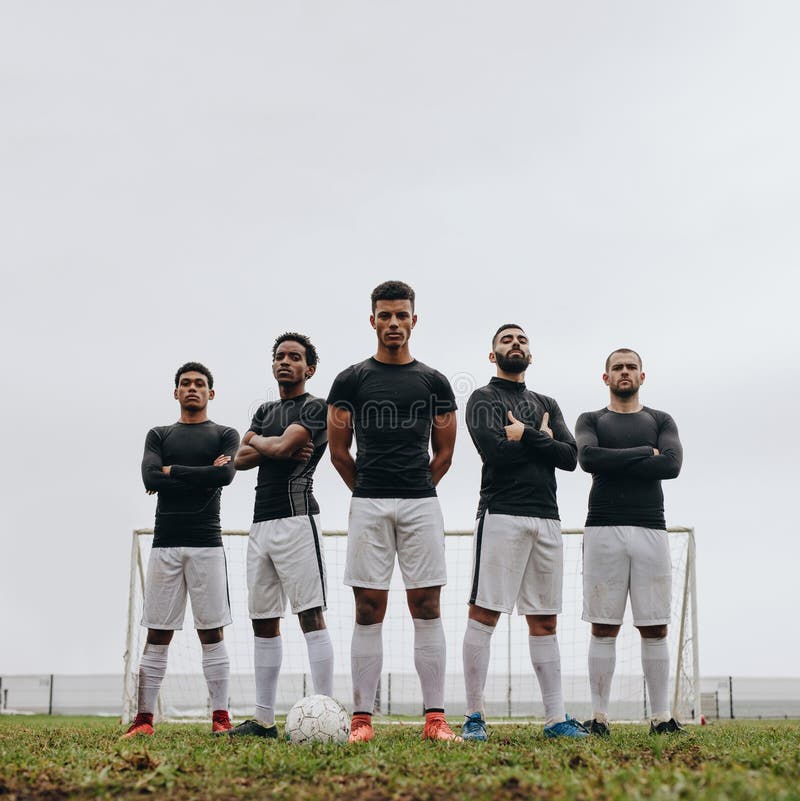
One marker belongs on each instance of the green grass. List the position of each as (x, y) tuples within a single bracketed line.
[(81, 758)]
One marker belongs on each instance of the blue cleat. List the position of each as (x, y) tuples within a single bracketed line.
[(474, 727), (569, 727)]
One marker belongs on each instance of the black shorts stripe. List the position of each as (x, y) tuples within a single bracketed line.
[(478, 540), (318, 549)]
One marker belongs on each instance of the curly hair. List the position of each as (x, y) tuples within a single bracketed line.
[(194, 367), (312, 357), (392, 290)]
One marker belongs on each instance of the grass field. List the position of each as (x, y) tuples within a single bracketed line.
[(57, 758)]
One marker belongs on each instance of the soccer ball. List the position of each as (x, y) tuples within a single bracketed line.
[(317, 719)]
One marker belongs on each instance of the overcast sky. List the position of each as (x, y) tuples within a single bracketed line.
[(187, 180)]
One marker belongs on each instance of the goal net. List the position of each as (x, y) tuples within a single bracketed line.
[(511, 690)]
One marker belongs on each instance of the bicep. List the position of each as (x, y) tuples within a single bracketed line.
[(340, 429)]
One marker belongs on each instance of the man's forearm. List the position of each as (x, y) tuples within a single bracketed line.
[(346, 467)]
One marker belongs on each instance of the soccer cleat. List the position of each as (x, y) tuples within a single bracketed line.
[(220, 721), (361, 730), (474, 727), (142, 726), (569, 727), (597, 727), (436, 728), (670, 726), (251, 728)]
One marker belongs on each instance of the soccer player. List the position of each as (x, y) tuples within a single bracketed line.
[(285, 559), (518, 558), (628, 448), (396, 406), (187, 464)]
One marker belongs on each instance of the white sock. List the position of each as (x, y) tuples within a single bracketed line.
[(546, 661), (152, 670), (217, 670), (430, 652), (366, 662), (602, 661), (475, 652), (267, 658), (655, 664), (320, 659)]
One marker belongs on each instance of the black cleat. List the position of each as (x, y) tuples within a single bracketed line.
[(252, 728), (670, 726), (597, 728)]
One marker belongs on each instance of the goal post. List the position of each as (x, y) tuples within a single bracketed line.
[(511, 689)]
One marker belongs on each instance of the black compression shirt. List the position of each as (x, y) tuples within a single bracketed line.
[(617, 449), (187, 513), (393, 406), (518, 478), (285, 487)]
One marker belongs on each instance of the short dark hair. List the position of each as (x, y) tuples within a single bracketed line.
[(392, 290), (503, 328), (194, 367), (311, 352), (623, 350)]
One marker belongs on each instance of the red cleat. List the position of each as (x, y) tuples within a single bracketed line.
[(361, 730), (142, 725), (436, 728), (220, 721)]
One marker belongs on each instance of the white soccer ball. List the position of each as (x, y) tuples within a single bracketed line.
[(317, 719)]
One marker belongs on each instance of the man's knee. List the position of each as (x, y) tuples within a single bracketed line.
[(653, 632), (542, 625), (210, 636), (423, 603), (370, 605), (311, 620), (605, 630), (267, 627), (159, 636), (486, 616)]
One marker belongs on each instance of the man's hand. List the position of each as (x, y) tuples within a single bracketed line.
[(166, 468), (150, 492), (656, 451), (247, 437), (221, 460), (303, 454), (545, 426), (515, 429)]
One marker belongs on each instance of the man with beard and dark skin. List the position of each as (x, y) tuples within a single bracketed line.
[(518, 553), (629, 449)]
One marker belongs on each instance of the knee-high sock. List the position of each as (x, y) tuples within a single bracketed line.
[(320, 660), (267, 658), (602, 661), (546, 661), (655, 664), (475, 652), (366, 662), (430, 654), (152, 669), (217, 670)]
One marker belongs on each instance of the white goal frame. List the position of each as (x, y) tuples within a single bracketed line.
[(512, 691)]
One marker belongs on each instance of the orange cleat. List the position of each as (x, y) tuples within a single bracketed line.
[(361, 730), (142, 725), (436, 728), (220, 721)]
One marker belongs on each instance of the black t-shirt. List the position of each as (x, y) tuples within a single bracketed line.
[(518, 477), (285, 488), (393, 406), (617, 449), (187, 513)]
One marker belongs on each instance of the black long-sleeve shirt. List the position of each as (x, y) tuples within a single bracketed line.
[(187, 513), (518, 477), (617, 449)]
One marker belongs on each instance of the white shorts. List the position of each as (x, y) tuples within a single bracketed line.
[(517, 560), (379, 528), (171, 573), (619, 559), (285, 559)]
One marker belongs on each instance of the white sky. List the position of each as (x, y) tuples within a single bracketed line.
[(188, 180)]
